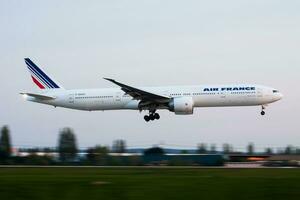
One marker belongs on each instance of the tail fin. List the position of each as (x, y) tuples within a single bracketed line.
[(39, 77)]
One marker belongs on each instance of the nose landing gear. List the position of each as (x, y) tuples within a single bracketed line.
[(263, 107), (151, 116)]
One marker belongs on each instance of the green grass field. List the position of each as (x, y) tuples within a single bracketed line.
[(148, 183)]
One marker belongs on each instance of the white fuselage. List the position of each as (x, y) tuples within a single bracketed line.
[(202, 96)]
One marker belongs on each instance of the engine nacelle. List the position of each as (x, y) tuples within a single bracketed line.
[(182, 105)]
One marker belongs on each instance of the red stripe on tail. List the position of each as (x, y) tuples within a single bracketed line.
[(37, 83)]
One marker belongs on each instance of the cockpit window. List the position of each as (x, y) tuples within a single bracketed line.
[(275, 91)]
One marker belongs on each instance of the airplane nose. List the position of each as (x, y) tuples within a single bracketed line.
[(280, 96)]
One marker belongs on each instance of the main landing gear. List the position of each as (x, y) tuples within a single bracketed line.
[(151, 116), (263, 107)]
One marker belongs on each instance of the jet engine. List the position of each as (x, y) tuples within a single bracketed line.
[(182, 105)]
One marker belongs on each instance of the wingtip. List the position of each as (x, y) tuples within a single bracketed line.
[(109, 79)]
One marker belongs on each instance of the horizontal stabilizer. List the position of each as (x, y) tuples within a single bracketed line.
[(38, 96)]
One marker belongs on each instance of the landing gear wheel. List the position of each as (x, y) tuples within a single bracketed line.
[(152, 117), (263, 107), (156, 116), (146, 118)]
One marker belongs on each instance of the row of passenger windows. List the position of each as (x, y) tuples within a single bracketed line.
[(177, 94), (210, 93), (184, 94), (94, 97), (243, 92)]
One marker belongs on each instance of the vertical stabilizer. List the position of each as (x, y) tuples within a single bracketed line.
[(40, 78)]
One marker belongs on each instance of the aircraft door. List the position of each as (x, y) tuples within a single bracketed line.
[(71, 98), (259, 93), (223, 95), (118, 97)]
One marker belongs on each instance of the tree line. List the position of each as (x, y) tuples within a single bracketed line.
[(68, 151), (250, 149)]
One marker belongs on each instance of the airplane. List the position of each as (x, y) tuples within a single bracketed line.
[(180, 100)]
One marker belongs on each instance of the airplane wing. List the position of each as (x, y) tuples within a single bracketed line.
[(139, 94), (39, 96)]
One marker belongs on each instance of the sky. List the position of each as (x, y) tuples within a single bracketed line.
[(152, 43)]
